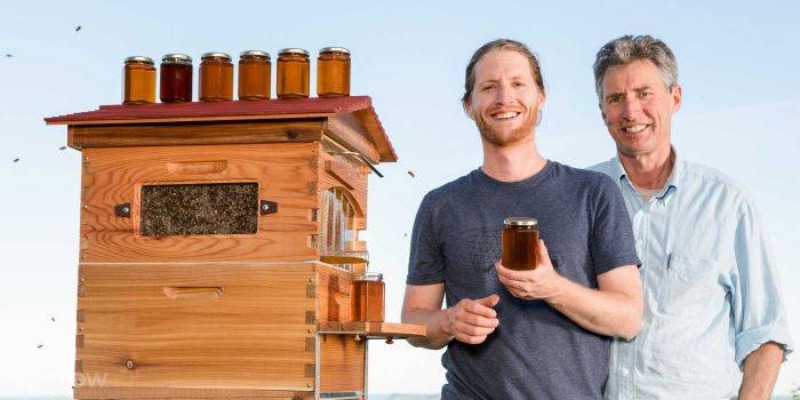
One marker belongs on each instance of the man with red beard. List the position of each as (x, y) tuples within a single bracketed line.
[(714, 322), (537, 334)]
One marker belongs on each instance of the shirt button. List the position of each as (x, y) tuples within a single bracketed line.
[(625, 372)]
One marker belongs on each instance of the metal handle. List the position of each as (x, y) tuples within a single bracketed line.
[(363, 159)]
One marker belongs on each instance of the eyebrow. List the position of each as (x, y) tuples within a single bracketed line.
[(636, 90)]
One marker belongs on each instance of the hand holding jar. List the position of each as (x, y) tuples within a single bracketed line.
[(540, 283)]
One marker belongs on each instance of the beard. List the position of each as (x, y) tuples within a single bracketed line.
[(503, 140)]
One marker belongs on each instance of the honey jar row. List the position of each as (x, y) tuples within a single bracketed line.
[(254, 80)]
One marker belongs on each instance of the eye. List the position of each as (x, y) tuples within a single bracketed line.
[(614, 99), (645, 94), (487, 87), (518, 84)]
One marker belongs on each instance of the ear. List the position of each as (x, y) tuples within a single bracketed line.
[(677, 97), (602, 113), (467, 105)]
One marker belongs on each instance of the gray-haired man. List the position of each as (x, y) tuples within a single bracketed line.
[(714, 322)]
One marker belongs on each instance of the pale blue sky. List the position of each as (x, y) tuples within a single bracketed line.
[(738, 68)]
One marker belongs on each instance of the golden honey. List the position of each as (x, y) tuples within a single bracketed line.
[(216, 77), (255, 80), (293, 74), (520, 240), (333, 72), (367, 295), (139, 82)]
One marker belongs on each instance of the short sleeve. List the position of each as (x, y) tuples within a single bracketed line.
[(426, 261), (612, 243)]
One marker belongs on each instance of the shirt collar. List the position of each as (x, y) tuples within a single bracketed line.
[(673, 182)]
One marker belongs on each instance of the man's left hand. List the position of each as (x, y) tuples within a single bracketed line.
[(543, 282)]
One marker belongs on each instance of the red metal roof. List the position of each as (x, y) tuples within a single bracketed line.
[(200, 110)]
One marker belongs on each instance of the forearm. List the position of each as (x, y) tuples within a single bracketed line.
[(436, 337), (761, 368), (604, 312)]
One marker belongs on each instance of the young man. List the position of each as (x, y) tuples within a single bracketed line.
[(539, 334), (712, 302)]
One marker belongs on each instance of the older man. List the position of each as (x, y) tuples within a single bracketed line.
[(711, 292), (539, 334)]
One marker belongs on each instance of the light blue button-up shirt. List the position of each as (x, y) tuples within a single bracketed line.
[(711, 290)]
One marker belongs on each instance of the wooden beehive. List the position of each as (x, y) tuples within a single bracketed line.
[(217, 245)]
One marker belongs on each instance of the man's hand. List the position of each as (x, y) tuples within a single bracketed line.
[(471, 321), (540, 283)]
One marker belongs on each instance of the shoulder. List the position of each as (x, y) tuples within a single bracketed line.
[(449, 191), (591, 177), (605, 167), (712, 182)]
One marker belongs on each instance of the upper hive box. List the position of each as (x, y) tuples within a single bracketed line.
[(276, 180)]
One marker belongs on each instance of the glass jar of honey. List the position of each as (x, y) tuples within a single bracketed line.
[(367, 295), (333, 72), (255, 75), (293, 74), (216, 77), (139, 82), (520, 240), (176, 78)]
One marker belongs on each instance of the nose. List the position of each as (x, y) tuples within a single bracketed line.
[(630, 109), (503, 95)]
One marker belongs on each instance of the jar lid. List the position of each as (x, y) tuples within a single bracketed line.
[(254, 53), (216, 54), (142, 59), (334, 50), (369, 276), (293, 50), (520, 221), (175, 58)]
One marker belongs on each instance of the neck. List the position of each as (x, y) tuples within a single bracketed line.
[(649, 171), (512, 163)]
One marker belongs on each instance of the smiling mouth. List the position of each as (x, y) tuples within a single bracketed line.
[(634, 128), (505, 115)]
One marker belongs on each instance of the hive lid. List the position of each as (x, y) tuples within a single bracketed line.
[(352, 108)]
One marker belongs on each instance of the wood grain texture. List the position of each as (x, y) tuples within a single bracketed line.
[(163, 134), (347, 130), (100, 393), (333, 289), (342, 364), (283, 171), (373, 329), (252, 337), (353, 113)]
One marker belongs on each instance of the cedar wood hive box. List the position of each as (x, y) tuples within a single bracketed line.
[(217, 246)]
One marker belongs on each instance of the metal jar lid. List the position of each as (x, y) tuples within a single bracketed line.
[(254, 53), (293, 51), (175, 58), (216, 54), (334, 50), (368, 276), (139, 59), (520, 221)]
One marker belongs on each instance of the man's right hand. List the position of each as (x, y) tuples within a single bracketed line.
[(471, 321)]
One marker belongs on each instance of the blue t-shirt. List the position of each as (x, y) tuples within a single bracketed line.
[(536, 352)]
